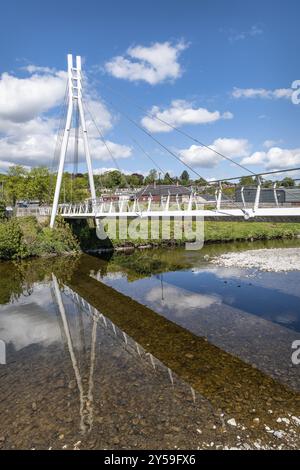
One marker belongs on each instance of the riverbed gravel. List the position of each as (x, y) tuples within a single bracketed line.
[(275, 260)]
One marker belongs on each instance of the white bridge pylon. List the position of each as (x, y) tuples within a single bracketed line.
[(74, 98)]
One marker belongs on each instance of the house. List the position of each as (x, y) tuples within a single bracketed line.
[(181, 193), (267, 196)]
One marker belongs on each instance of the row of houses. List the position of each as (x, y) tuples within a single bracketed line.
[(268, 195), (182, 194)]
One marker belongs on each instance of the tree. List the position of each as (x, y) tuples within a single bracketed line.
[(16, 187), (2, 211), (288, 182), (152, 177), (138, 177), (38, 184), (135, 180), (200, 182), (247, 181), (267, 184), (167, 179), (185, 177)]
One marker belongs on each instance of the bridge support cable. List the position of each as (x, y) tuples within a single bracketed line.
[(180, 131), (114, 160), (194, 139), (164, 173), (173, 154), (59, 137)]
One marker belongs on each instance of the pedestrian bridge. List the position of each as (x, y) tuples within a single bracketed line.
[(75, 108), (166, 209)]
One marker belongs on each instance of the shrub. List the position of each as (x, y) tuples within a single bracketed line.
[(2, 211), (11, 240), (24, 237)]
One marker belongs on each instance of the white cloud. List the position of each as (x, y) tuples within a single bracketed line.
[(154, 64), (28, 133), (22, 99), (274, 158), (206, 158), (35, 147), (262, 93), (180, 113), (100, 152)]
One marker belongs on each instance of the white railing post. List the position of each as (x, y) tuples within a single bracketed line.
[(190, 204), (275, 194), (257, 195), (219, 196), (243, 197), (134, 205), (149, 203), (168, 202)]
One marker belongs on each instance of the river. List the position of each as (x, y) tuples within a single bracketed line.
[(154, 349)]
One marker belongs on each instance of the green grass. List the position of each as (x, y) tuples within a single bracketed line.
[(239, 231)]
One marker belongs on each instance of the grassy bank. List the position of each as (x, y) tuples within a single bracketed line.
[(214, 232), (26, 237), (245, 231)]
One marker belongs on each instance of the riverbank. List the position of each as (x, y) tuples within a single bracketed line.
[(26, 237), (278, 260), (214, 232)]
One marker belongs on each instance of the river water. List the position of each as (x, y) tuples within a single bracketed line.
[(153, 349)]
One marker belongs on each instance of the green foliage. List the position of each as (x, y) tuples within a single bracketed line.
[(185, 178), (11, 240), (247, 181), (24, 237), (232, 231), (2, 211), (288, 182), (151, 177)]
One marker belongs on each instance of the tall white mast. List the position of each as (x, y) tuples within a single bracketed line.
[(75, 93)]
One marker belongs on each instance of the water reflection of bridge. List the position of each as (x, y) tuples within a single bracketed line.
[(99, 320), (217, 375)]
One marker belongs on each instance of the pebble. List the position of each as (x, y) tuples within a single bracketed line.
[(232, 422), (189, 356)]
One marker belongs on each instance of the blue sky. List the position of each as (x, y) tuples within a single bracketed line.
[(221, 71)]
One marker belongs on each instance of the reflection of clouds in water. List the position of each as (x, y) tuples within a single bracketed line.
[(180, 301), (114, 276), (30, 320), (287, 319), (220, 272), (28, 324)]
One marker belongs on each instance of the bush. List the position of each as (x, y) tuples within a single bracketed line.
[(59, 241), (2, 211), (24, 237), (11, 240)]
